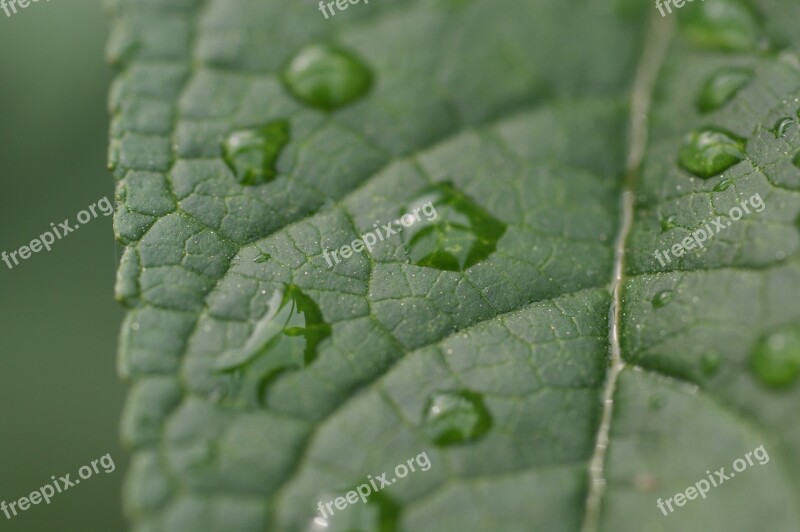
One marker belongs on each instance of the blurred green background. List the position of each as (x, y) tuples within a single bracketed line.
[(59, 392)]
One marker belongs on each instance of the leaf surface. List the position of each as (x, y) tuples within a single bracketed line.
[(551, 127)]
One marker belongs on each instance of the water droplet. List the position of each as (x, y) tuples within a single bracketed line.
[(381, 513), (456, 417), (710, 362), (251, 154), (668, 223), (721, 87), (710, 151), (662, 298), (456, 235), (655, 402), (327, 77), (286, 338), (262, 257), (776, 358), (722, 25), (796, 160), (782, 126), (723, 185)]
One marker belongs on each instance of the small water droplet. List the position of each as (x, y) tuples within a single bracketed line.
[(286, 338), (776, 358), (721, 87), (456, 417), (457, 235), (655, 402), (710, 362), (709, 151), (668, 223), (251, 154), (662, 298), (327, 77), (723, 25), (723, 185), (262, 257), (782, 126)]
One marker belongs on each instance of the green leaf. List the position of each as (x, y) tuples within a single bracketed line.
[(510, 337)]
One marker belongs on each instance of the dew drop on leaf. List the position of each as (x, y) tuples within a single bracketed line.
[(286, 338), (709, 151), (662, 298), (710, 362), (455, 417), (782, 126), (460, 235), (723, 185), (327, 77), (721, 87), (655, 402), (251, 154), (380, 513), (723, 25), (668, 223), (776, 358)]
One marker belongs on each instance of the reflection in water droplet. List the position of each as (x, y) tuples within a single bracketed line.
[(723, 185), (663, 298), (710, 151), (782, 126), (668, 223), (456, 417), (251, 154), (776, 358), (286, 338), (723, 25), (327, 77), (710, 363), (461, 235), (721, 87)]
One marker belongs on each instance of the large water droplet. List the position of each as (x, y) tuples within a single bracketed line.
[(662, 298), (456, 417), (251, 154), (722, 25), (327, 77), (461, 234), (286, 338), (776, 358), (709, 151), (782, 126), (721, 87)]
